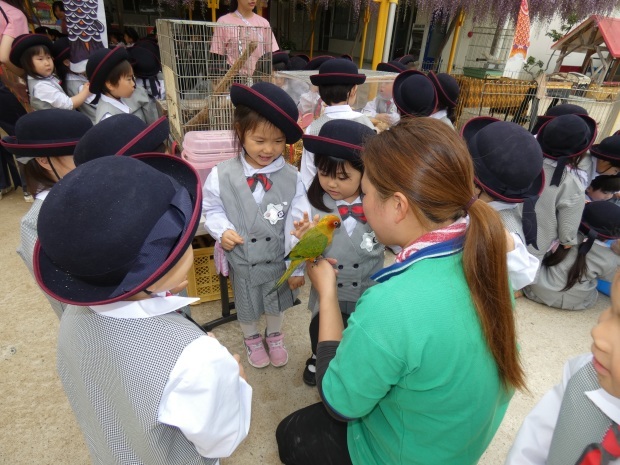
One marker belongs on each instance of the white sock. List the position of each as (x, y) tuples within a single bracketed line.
[(249, 329), (274, 323)]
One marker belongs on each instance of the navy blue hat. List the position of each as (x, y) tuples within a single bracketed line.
[(122, 134), (600, 220), (508, 165), (280, 57), (346, 56), (316, 62), (447, 88), (273, 104), (564, 137), (47, 133), (558, 110), (61, 49), (391, 67), (24, 42), (339, 138), (144, 63), (153, 207), (296, 63), (338, 71), (608, 149), (414, 94), (405, 60), (101, 63)]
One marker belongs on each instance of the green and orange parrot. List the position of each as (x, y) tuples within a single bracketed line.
[(310, 246)]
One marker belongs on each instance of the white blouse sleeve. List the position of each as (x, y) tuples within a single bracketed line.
[(207, 399), (216, 221), (45, 91), (307, 168), (522, 266), (299, 205)]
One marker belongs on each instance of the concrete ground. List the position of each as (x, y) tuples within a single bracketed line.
[(38, 425)]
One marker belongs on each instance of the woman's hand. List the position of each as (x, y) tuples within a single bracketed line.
[(301, 227), (322, 275), (230, 239)]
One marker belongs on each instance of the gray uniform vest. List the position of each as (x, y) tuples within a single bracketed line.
[(558, 211), (114, 372), (29, 236), (580, 422), (139, 104), (601, 262), (37, 104), (73, 88), (355, 263), (511, 217)]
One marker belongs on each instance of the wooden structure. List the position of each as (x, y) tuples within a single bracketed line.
[(597, 35)]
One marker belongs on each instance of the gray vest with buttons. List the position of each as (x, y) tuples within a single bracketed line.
[(511, 217), (580, 422), (355, 264), (260, 259), (114, 371)]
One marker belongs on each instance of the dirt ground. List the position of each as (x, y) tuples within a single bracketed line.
[(38, 425)]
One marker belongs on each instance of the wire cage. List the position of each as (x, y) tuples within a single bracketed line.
[(200, 61), (488, 51)]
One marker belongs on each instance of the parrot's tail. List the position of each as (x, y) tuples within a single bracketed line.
[(287, 274)]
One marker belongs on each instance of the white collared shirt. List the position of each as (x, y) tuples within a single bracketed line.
[(121, 105), (531, 446), (370, 109), (49, 90), (204, 397)]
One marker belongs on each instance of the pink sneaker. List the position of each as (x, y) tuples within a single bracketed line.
[(257, 355), (277, 351)]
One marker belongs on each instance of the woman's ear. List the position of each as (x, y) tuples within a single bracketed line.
[(400, 204), (45, 163)]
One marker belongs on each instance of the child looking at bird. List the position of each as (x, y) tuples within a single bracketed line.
[(249, 202), (336, 190)]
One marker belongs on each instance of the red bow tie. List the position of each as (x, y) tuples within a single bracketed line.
[(603, 453), (259, 178), (355, 210)]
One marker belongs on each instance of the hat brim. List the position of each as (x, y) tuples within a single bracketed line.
[(23, 43), (593, 131), (244, 95), (403, 108), (389, 68), (337, 78), (39, 148), (474, 125), (149, 139), (535, 189), (332, 147), (596, 152), (441, 92), (69, 289)]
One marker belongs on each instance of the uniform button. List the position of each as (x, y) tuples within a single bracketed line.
[(354, 284), (356, 265), (253, 240), (340, 267), (268, 261), (268, 239), (340, 284)]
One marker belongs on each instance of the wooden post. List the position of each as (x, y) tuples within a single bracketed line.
[(363, 49)]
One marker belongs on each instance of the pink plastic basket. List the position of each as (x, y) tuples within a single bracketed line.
[(205, 149)]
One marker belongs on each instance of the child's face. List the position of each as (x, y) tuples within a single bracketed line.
[(43, 64), (263, 145), (124, 88), (604, 167), (599, 194), (345, 186), (606, 344), (385, 90)]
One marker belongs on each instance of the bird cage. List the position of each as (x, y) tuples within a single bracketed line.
[(488, 51), (200, 60)]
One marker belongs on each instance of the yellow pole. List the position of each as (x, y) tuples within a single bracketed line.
[(214, 5), (455, 40), (366, 21), (382, 18), (312, 18)]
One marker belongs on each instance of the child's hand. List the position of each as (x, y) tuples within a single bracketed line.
[(295, 282), (383, 117), (230, 239), (301, 227), (178, 288), (86, 89)]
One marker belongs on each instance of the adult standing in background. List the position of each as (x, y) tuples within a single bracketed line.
[(231, 42)]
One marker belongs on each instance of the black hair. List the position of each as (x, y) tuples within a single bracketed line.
[(234, 4), (332, 167), (335, 93), (246, 119), (132, 34), (120, 70), (116, 34), (37, 177), (26, 59), (41, 30), (58, 5), (606, 183), (61, 71)]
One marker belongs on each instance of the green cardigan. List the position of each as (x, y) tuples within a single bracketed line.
[(414, 372)]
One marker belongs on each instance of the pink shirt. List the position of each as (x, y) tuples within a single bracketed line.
[(232, 41), (18, 24)]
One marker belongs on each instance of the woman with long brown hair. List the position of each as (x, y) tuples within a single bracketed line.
[(426, 368)]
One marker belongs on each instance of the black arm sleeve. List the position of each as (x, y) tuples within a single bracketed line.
[(326, 351)]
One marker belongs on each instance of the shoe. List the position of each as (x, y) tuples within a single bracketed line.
[(277, 351), (5, 191), (28, 198), (310, 372), (257, 355)]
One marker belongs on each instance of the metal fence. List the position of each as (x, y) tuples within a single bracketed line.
[(200, 60)]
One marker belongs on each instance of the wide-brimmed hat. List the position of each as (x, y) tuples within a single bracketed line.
[(280, 57), (24, 42), (447, 88), (101, 243), (123, 134), (339, 71), (271, 102), (339, 138), (508, 165), (391, 67), (61, 49), (565, 137), (316, 62), (608, 149), (557, 110), (144, 63), (296, 63), (414, 94), (600, 221), (101, 63), (47, 133), (406, 59)]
